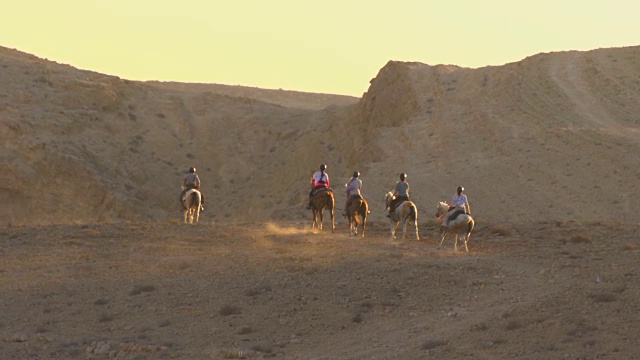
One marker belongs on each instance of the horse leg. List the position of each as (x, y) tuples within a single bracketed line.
[(186, 212), (455, 244), (394, 225), (321, 213), (364, 222), (466, 241), (314, 223), (415, 224), (443, 233), (333, 224), (198, 213), (350, 224)]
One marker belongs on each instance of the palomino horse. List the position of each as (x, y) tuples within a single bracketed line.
[(358, 207), (192, 202), (405, 211), (461, 226), (322, 199)]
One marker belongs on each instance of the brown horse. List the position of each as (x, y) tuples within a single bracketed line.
[(358, 207), (322, 199)]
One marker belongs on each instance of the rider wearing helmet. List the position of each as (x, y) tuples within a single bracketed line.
[(400, 193), (459, 205), (191, 181), (352, 189), (319, 180)]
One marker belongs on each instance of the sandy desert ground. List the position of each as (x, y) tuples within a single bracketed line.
[(96, 263), (279, 290)]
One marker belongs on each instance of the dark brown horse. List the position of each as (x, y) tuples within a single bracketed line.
[(358, 208), (322, 199)]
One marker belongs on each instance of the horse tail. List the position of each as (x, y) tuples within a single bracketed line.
[(470, 225), (195, 198), (413, 212)]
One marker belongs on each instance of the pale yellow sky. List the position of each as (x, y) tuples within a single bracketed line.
[(330, 46)]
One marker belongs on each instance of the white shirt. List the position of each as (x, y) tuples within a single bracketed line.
[(459, 200)]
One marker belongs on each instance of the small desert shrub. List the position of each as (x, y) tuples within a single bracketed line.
[(139, 289), (481, 327), (357, 318), (164, 323), (105, 317), (262, 348), (101, 301), (500, 230), (589, 343), (603, 297), (581, 238), (229, 310), (258, 290), (513, 325), (234, 354), (245, 330), (630, 246), (432, 344)]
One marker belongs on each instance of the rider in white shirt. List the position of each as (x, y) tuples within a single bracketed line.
[(459, 204)]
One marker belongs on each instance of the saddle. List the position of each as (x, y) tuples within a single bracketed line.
[(455, 212), (318, 189), (396, 201)]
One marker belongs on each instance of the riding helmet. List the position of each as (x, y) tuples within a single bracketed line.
[(460, 189), (323, 167), (356, 174), (403, 176), (192, 169)]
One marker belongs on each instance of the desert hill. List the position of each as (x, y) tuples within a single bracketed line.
[(554, 136), (96, 266)]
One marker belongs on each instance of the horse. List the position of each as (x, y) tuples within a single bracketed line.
[(404, 212), (461, 226), (358, 207), (322, 199), (192, 202)]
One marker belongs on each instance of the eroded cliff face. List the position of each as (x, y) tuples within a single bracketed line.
[(554, 136)]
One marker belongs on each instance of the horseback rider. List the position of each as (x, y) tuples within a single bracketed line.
[(352, 189), (459, 205), (319, 180), (190, 181), (400, 193)]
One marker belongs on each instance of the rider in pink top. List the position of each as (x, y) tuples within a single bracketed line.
[(320, 179)]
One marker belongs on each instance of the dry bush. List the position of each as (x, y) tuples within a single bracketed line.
[(580, 238), (139, 289), (432, 344), (229, 310), (603, 297), (513, 325), (262, 348), (245, 330), (105, 317), (101, 301), (630, 246), (357, 318), (500, 230), (234, 354), (258, 290)]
